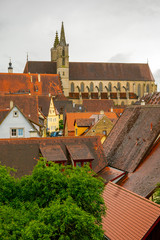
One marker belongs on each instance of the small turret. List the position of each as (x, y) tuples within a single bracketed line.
[(10, 68), (56, 41)]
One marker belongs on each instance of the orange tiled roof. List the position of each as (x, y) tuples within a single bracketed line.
[(71, 117), (128, 216), (35, 84)]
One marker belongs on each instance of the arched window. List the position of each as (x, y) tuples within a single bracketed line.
[(147, 88), (63, 52), (82, 87), (110, 86), (119, 86), (100, 87), (91, 86), (139, 90), (72, 87), (128, 86)]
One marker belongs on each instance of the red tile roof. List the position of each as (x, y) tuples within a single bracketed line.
[(80, 152), (36, 84), (84, 122), (42, 67), (110, 174), (26, 103), (128, 215), (20, 153), (94, 105), (132, 136), (53, 153), (3, 114), (110, 71), (143, 181), (152, 98)]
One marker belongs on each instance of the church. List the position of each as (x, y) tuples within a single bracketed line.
[(124, 83)]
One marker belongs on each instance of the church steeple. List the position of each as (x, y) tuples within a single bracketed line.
[(10, 68), (62, 38), (56, 41)]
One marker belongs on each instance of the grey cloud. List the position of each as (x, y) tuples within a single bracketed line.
[(121, 57)]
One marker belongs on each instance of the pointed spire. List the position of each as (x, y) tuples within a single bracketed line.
[(56, 41), (10, 68), (62, 39)]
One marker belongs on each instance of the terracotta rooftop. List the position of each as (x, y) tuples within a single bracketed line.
[(3, 114), (110, 71), (144, 180), (152, 98), (44, 104), (21, 153), (35, 84), (111, 174), (26, 103), (84, 122), (80, 152), (53, 153), (128, 215), (71, 117), (95, 105), (132, 136)]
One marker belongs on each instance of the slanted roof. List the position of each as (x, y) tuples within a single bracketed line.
[(35, 84), (53, 153), (26, 103), (71, 117), (96, 105), (151, 98), (84, 122), (24, 158), (79, 152), (3, 114), (44, 104), (132, 137), (42, 67), (110, 71), (111, 174), (128, 215), (143, 181)]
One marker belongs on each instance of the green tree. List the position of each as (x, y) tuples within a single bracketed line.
[(156, 195), (55, 202), (61, 126)]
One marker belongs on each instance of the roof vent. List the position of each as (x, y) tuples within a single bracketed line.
[(142, 102), (101, 112), (111, 109), (39, 77), (11, 104)]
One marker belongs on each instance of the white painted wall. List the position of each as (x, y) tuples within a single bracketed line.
[(15, 122)]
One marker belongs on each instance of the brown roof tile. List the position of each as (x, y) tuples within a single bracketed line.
[(84, 122), (3, 114), (132, 136), (26, 103), (21, 153), (129, 216), (110, 174), (42, 67), (53, 153), (95, 105), (143, 181), (80, 152), (109, 71)]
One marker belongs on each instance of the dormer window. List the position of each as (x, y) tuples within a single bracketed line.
[(15, 113)]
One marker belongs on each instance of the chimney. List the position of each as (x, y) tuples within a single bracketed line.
[(142, 102), (39, 77), (111, 109), (11, 104)]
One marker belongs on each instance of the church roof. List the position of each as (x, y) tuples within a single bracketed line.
[(41, 67), (109, 71)]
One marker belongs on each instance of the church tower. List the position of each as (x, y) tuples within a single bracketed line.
[(59, 54)]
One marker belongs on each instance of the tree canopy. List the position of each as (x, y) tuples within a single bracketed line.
[(156, 195), (55, 202)]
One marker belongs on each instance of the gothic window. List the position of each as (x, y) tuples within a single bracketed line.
[(139, 90), (119, 86), (63, 53), (63, 61), (147, 88), (128, 86), (82, 87), (91, 86), (110, 86), (100, 87), (72, 87)]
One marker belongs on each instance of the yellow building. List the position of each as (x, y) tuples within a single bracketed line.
[(53, 118)]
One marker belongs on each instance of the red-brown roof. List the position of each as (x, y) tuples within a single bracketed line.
[(128, 216), (80, 152), (20, 153), (3, 114), (28, 104), (143, 181), (35, 84), (132, 137), (53, 153), (111, 174), (84, 122), (151, 98), (94, 105), (42, 67), (110, 71)]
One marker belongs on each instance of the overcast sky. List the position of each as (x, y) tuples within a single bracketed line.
[(96, 30)]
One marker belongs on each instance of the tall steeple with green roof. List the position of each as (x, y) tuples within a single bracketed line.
[(62, 37)]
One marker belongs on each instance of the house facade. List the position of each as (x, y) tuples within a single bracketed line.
[(15, 125)]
